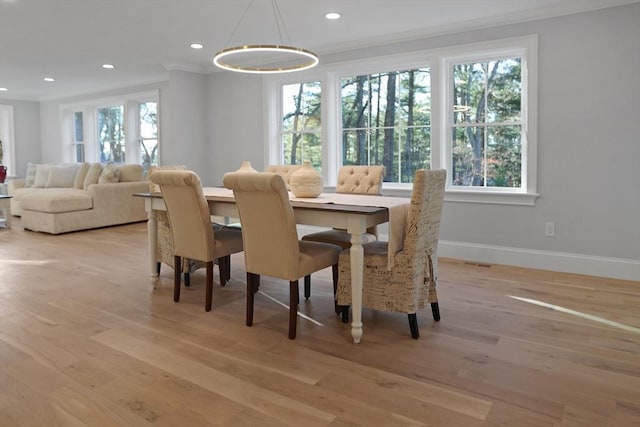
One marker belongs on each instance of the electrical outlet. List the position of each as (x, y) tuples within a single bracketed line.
[(550, 229)]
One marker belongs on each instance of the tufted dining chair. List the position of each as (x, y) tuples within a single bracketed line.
[(411, 282), (192, 233), (271, 245), (284, 171), (351, 180)]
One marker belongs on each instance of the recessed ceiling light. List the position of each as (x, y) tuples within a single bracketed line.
[(332, 15), (49, 79), (107, 66), (3, 89), (196, 45)]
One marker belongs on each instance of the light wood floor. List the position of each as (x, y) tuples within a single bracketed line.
[(86, 341)]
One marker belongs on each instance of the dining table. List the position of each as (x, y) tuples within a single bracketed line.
[(351, 212)]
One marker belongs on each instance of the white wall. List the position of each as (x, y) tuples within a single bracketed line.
[(588, 147), (26, 122)]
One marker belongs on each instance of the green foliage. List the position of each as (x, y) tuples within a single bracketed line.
[(111, 141)]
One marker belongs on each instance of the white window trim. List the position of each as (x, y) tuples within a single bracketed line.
[(438, 60), (7, 136), (89, 108)]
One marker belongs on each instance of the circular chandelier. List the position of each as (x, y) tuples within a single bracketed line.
[(265, 58)]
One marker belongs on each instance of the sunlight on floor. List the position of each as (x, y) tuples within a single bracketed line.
[(285, 305), (26, 262), (579, 314)]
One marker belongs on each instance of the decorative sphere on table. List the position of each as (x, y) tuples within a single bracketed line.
[(306, 181)]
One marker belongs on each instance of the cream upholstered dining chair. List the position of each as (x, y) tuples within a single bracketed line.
[(351, 180), (271, 245), (164, 247), (191, 229), (284, 171), (411, 281)]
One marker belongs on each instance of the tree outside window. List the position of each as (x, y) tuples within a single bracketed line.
[(111, 142), (149, 133), (386, 120), (487, 124), (302, 124)]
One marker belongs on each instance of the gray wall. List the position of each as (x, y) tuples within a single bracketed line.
[(26, 124)]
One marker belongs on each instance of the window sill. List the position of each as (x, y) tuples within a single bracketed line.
[(483, 196)]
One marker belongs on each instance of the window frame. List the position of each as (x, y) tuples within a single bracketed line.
[(89, 109), (438, 60)]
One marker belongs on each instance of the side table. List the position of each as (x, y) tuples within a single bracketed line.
[(5, 205)]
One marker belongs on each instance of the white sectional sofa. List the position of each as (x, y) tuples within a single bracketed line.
[(62, 198)]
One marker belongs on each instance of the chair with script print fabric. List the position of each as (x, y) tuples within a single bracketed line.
[(411, 282)]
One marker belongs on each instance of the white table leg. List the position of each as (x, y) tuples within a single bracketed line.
[(152, 232), (357, 270)]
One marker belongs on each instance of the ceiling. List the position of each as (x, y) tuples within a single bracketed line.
[(69, 40)]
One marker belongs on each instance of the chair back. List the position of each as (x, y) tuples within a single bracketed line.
[(269, 232), (284, 171), (423, 220), (360, 180), (188, 213)]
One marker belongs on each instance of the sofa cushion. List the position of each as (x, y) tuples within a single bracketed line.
[(92, 175), (110, 174), (62, 176), (78, 183), (54, 200), (42, 176), (31, 174), (131, 173)]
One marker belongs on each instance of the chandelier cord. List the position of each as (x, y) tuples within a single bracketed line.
[(227, 43), (277, 14)]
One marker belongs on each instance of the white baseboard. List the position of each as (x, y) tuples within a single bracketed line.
[(616, 268)]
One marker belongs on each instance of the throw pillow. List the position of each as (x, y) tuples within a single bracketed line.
[(93, 174), (31, 174), (110, 173), (42, 176), (131, 173), (62, 176), (155, 188), (81, 175)]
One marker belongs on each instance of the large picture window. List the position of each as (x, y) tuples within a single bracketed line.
[(469, 109)]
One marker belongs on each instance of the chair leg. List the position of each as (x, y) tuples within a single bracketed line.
[(158, 264), (334, 270), (176, 277), (251, 279), (344, 311), (187, 279), (307, 286), (435, 309), (209, 296), (413, 325), (293, 308), (222, 269), (228, 267)]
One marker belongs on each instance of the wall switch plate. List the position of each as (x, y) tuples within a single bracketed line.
[(550, 229)]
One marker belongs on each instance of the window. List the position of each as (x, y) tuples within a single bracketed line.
[(301, 124), (386, 120), (78, 136), (470, 109), (111, 143), (148, 133), (7, 145), (120, 129)]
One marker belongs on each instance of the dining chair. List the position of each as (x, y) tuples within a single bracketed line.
[(192, 232), (411, 282), (351, 180), (284, 171), (271, 244)]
